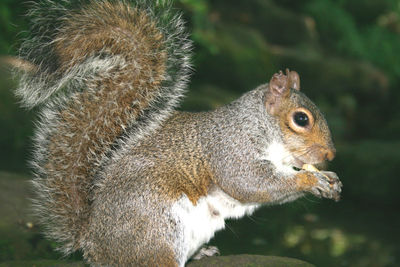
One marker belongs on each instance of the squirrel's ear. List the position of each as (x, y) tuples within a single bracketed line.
[(294, 79), (278, 89)]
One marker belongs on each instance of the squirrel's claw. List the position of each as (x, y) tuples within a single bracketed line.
[(328, 186), (206, 251)]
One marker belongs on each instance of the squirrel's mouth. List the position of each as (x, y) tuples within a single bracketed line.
[(298, 164)]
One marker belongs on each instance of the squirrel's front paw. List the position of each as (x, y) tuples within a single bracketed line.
[(328, 185)]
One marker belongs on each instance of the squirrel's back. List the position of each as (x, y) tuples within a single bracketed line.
[(103, 70)]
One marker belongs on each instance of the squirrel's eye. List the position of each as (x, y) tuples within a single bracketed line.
[(301, 119)]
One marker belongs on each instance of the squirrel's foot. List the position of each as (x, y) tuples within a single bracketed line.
[(328, 186), (206, 251)]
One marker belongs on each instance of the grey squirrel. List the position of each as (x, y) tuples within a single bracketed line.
[(121, 175)]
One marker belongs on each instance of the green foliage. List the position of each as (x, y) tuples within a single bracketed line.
[(345, 29), (383, 49), (335, 23), (17, 127), (12, 23)]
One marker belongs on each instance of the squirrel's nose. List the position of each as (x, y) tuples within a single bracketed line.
[(330, 154)]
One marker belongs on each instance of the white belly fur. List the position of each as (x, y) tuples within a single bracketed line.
[(200, 222)]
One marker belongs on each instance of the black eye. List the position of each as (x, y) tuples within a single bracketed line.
[(301, 119)]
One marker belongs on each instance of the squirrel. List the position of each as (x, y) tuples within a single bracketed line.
[(120, 174)]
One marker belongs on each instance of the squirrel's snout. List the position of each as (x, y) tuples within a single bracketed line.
[(330, 154)]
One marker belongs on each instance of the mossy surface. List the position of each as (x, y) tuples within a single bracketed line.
[(248, 261)]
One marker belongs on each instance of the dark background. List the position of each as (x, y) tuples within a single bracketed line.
[(347, 53)]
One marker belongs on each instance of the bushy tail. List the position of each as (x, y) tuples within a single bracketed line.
[(103, 70)]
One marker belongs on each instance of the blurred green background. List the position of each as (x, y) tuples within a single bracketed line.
[(347, 53)]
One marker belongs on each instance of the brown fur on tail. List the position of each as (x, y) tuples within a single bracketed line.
[(115, 72)]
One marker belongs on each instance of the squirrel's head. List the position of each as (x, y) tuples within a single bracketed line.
[(304, 129)]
